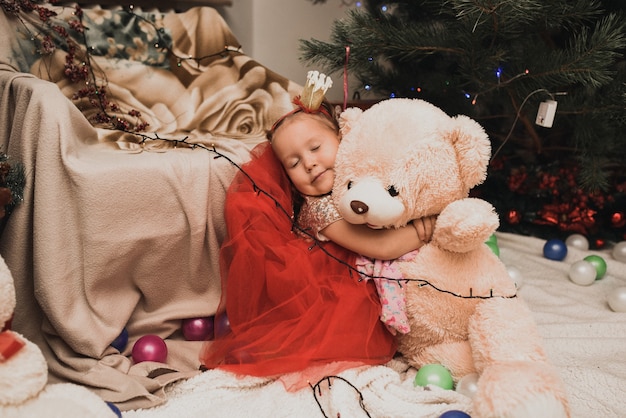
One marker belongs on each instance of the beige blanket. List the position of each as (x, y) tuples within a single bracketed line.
[(112, 234)]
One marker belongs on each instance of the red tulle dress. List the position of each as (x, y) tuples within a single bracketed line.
[(291, 305)]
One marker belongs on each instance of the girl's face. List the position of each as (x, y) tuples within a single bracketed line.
[(306, 145)]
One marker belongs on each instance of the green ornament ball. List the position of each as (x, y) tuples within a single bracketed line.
[(494, 247), (599, 263), (493, 238), (434, 374)]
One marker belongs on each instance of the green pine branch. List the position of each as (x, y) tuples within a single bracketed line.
[(486, 58)]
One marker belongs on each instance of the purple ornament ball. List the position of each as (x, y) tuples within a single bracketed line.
[(198, 329), (149, 348), (115, 409), (222, 325), (454, 414), (555, 249), (120, 342)]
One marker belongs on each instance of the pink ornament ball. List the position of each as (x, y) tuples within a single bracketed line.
[(198, 329), (149, 348)]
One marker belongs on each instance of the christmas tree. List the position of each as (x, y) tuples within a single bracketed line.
[(511, 65)]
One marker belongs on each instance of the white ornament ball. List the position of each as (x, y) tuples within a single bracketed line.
[(617, 300), (577, 241), (619, 251), (468, 385), (516, 276), (582, 273)]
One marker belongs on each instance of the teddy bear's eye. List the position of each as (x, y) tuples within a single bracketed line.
[(393, 192), (349, 185)]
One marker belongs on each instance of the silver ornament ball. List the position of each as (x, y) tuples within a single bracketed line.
[(619, 251), (617, 299), (468, 385), (582, 273), (578, 241), (516, 276)]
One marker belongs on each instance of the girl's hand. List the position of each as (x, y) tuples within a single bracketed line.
[(425, 227)]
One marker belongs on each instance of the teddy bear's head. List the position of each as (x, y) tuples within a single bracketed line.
[(403, 159)]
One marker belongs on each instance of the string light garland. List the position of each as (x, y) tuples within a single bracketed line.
[(82, 68), (518, 114), (297, 228), (97, 96), (317, 393)]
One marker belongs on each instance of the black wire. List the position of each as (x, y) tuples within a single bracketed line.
[(317, 388), (299, 229)]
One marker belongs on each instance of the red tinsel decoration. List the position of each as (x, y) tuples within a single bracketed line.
[(513, 216), (618, 220), (546, 199), (567, 217)]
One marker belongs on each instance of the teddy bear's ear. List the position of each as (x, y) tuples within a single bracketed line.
[(348, 117), (473, 150)]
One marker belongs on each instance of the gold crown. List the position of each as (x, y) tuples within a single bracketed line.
[(314, 90)]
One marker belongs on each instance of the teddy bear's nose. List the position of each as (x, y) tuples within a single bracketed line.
[(359, 207)]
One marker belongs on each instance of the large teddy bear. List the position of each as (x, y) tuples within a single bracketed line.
[(403, 159), (24, 391)]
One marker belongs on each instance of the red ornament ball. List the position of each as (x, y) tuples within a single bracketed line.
[(618, 219), (149, 348), (599, 243), (198, 329), (513, 217)]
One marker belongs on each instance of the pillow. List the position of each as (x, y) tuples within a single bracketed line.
[(136, 36), (116, 34)]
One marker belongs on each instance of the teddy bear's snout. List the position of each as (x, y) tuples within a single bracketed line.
[(359, 207)]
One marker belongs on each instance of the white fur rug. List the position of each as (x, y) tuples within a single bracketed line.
[(583, 337)]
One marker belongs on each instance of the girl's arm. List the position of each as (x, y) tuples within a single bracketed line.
[(382, 244)]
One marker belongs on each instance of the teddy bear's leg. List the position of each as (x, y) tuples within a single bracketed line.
[(516, 379), (455, 356)]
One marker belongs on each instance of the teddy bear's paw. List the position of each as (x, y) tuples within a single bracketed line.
[(520, 390), (464, 225), (543, 405)]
